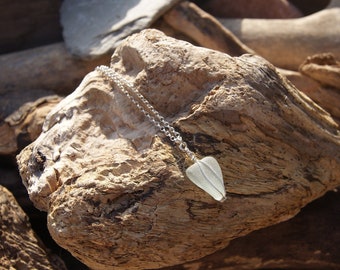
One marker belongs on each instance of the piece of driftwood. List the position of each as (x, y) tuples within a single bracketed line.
[(323, 68), (327, 97), (300, 81), (23, 126), (286, 43), (27, 24), (310, 240), (203, 28), (319, 78), (50, 67), (116, 193), (206, 31), (274, 9), (19, 246)]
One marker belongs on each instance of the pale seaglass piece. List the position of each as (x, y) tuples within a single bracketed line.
[(206, 174), (93, 28)]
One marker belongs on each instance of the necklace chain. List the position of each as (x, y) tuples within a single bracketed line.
[(147, 109)]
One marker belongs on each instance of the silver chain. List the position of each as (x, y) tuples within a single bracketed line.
[(147, 109)]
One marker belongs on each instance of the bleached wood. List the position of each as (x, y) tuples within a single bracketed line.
[(115, 191)]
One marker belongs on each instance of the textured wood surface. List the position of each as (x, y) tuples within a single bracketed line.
[(22, 126), (307, 241), (207, 31), (19, 246), (114, 189)]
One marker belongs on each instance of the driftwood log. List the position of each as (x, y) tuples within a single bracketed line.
[(19, 246), (286, 43), (204, 29), (200, 27), (274, 9), (50, 67), (115, 191)]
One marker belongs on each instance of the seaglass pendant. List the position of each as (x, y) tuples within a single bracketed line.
[(207, 175)]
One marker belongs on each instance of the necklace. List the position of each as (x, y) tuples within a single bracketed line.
[(206, 172)]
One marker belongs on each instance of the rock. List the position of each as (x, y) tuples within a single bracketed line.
[(277, 9), (20, 247), (115, 191), (50, 67), (287, 43), (92, 29)]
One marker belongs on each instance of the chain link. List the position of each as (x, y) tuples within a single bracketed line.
[(147, 109)]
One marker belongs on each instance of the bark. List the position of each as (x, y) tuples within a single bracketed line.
[(115, 191)]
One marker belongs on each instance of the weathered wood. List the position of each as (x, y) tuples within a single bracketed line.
[(49, 67), (19, 246), (286, 43), (115, 192), (300, 81), (206, 30), (274, 9), (307, 241), (327, 97), (323, 68), (23, 126)]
